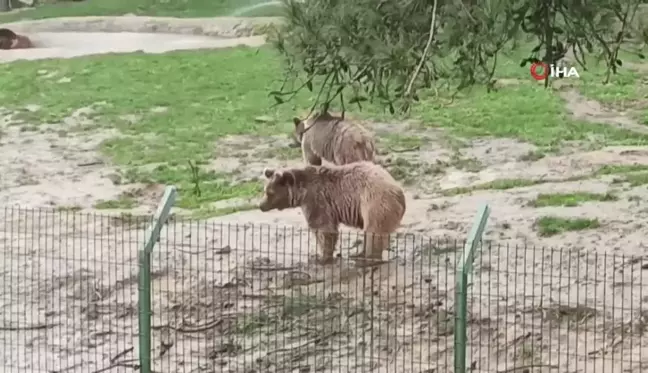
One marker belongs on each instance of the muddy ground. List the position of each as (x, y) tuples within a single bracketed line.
[(239, 293)]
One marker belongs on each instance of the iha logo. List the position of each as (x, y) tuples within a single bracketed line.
[(540, 71)]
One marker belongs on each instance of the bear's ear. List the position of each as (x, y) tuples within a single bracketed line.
[(297, 121), (288, 178), (268, 173)]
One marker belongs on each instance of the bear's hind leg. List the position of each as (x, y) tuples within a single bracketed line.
[(326, 241), (374, 245), (377, 235)]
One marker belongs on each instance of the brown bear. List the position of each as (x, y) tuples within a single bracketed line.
[(361, 195), (11, 40), (329, 137)]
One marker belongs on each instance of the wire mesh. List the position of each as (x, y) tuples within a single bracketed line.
[(227, 298), (249, 298), (557, 310), (69, 290)]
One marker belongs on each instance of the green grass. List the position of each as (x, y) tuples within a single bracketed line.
[(171, 8), (570, 199), (500, 184), (635, 175), (551, 225), (621, 169), (635, 179), (210, 212), (626, 173), (526, 111), (121, 203), (211, 94), (209, 186), (207, 95)]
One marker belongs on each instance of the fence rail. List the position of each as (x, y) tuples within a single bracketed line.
[(248, 298)]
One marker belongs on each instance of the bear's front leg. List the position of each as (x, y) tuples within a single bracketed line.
[(326, 241)]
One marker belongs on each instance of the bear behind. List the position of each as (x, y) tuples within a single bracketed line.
[(334, 139), (361, 195), (22, 42)]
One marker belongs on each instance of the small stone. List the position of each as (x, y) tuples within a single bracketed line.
[(264, 119)]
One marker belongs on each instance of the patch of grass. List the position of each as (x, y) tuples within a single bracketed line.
[(202, 107), (123, 202), (525, 110), (570, 199), (408, 172), (507, 113), (532, 156), (397, 142), (175, 8), (283, 153), (466, 164), (551, 225), (621, 169), (636, 179), (198, 112), (625, 88), (629, 173), (501, 184), (213, 186), (635, 175)]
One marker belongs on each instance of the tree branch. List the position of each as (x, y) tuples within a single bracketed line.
[(408, 91)]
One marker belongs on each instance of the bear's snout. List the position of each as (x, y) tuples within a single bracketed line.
[(264, 206)]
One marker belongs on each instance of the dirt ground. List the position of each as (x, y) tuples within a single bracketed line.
[(239, 293)]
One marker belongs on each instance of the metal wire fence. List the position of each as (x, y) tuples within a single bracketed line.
[(248, 298)]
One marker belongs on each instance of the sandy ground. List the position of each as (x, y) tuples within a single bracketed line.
[(239, 293)]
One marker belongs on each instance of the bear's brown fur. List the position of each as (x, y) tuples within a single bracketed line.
[(329, 137), (7, 38), (361, 195), (22, 42)]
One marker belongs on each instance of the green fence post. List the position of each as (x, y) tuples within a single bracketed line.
[(144, 293), (465, 267)]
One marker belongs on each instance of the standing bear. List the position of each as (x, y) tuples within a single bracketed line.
[(361, 195), (333, 139)]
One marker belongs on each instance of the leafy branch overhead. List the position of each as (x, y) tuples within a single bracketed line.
[(351, 52)]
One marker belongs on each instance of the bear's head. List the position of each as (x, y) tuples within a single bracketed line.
[(278, 190)]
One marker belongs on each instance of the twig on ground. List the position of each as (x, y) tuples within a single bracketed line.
[(220, 251), (611, 345), (119, 364), (92, 163), (197, 329), (28, 327), (523, 367), (404, 150), (121, 354), (270, 269)]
